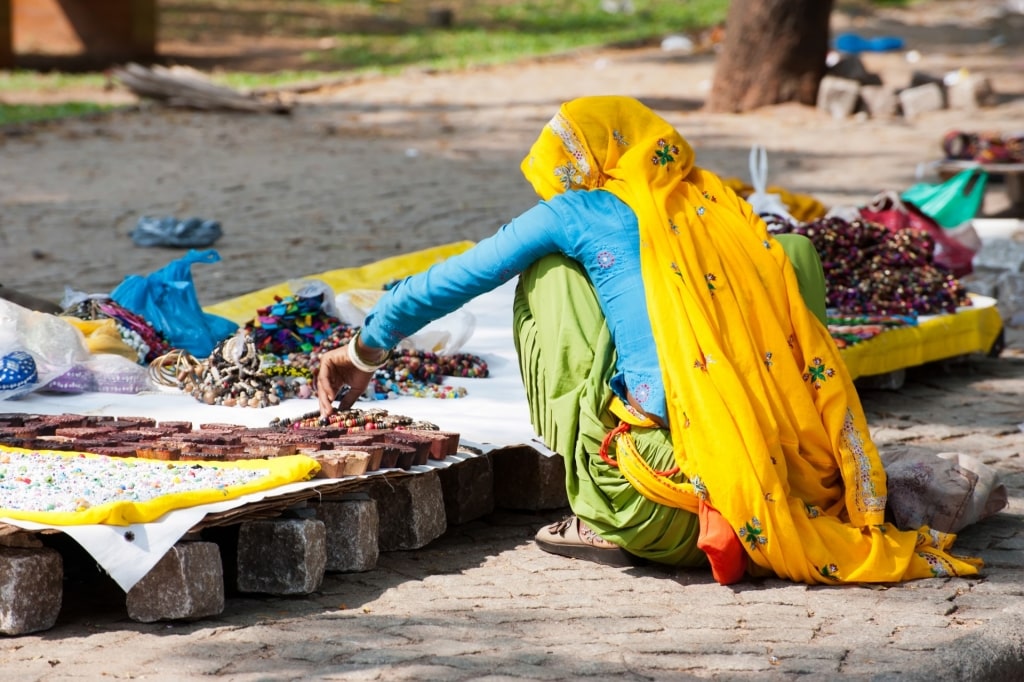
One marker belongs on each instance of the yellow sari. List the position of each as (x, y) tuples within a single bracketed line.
[(767, 428)]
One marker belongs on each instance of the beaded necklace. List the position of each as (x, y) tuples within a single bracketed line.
[(137, 333), (350, 421)]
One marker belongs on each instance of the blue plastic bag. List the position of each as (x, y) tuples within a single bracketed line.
[(167, 300), (853, 43)]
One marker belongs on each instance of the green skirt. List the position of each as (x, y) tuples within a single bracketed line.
[(567, 359)]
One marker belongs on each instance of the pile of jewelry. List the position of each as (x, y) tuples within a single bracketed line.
[(232, 376), (293, 324), (135, 331), (872, 270), (984, 147), (353, 421), (276, 356), (421, 373), (849, 330)]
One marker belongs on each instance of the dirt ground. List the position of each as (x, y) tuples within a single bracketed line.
[(379, 166)]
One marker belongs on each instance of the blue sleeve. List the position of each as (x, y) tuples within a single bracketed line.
[(422, 298)]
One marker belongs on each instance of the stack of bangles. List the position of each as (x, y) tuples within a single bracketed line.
[(361, 364)]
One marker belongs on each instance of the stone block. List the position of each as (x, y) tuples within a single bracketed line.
[(353, 532), (922, 99), (880, 101), (468, 488), (31, 589), (186, 584), (411, 510), (281, 556), (838, 96), (969, 92), (529, 480)]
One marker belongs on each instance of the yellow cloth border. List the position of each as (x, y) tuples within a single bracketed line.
[(372, 275), (969, 330), (282, 470)]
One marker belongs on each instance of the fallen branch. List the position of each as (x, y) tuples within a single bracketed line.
[(185, 87)]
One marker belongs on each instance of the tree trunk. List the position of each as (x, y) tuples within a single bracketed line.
[(774, 52)]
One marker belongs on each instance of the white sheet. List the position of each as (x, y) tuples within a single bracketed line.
[(493, 414)]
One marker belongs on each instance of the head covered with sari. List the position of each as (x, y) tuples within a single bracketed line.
[(766, 425)]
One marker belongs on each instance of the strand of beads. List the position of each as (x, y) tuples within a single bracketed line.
[(848, 330), (134, 330), (351, 421), (151, 342), (420, 374)]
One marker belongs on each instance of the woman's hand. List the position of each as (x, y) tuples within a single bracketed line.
[(337, 371)]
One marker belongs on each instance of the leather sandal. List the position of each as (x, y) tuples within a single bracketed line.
[(572, 538)]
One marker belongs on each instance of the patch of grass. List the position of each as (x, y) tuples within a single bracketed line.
[(357, 36), (518, 31), (21, 80), (24, 113), (368, 35)]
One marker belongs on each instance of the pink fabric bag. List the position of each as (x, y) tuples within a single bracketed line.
[(889, 210)]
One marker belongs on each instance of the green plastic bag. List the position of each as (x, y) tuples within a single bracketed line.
[(953, 202)]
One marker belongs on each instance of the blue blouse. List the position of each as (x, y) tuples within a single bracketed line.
[(596, 229)]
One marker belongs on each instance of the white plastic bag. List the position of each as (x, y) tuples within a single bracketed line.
[(444, 336), (117, 374), (764, 204), (308, 288), (53, 344)]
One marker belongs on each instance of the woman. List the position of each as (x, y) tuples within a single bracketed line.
[(721, 426)]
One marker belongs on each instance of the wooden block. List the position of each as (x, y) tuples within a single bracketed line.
[(356, 463)]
